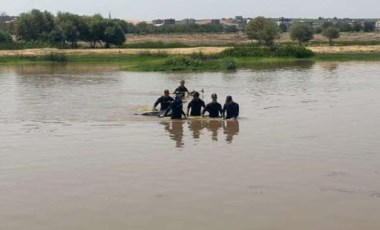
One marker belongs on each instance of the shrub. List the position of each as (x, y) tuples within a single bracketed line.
[(181, 62), (229, 64), (5, 37), (247, 51), (293, 51), (278, 51)]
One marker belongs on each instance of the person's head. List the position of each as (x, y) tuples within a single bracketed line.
[(182, 82), (166, 93), (196, 95), (228, 99), (214, 97)]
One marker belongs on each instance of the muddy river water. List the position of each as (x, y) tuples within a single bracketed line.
[(304, 155)]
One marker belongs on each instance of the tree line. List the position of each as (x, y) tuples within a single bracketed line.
[(38, 26), (146, 28), (69, 29), (266, 31)]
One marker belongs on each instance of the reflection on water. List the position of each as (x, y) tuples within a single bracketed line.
[(329, 66), (176, 129), (282, 65), (231, 129), (58, 68)]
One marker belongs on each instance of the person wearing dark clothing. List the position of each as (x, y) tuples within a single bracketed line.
[(195, 105), (164, 101), (177, 109), (230, 109), (214, 108), (182, 90)]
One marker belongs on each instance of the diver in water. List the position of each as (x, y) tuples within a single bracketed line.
[(213, 108), (177, 109), (182, 90), (195, 105), (164, 101), (230, 109)]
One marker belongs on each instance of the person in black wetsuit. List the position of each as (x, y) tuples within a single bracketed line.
[(214, 108), (182, 90), (230, 109), (195, 105), (165, 102), (177, 109)]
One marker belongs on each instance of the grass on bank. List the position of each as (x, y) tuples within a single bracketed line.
[(229, 60), (240, 57)]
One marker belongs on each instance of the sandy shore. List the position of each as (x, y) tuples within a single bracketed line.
[(39, 52), (206, 50)]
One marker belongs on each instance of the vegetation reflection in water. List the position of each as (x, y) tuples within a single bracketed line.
[(176, 129)]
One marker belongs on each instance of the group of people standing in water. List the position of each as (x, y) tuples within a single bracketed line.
[(173, 107)]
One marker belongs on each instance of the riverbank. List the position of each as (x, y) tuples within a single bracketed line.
[(362, 49), (184, 59), (223, 39)]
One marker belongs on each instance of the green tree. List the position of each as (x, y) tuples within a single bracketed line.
[(265, 31), (96, 26), (331, 33), (57, 36), (73, 27), (144, 28), (345, 27), (301, 32), (113, 34), (5, 37), (358, 27), (369, 27), (34, 26), (327, 24), (127, 27)]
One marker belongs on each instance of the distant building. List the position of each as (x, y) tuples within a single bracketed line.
[(284, 24), (6, 21), (377, 25), (169, 21), (158, 22), (215, 21), (286, 21), (239, 19), (161, 22), (188, 21)]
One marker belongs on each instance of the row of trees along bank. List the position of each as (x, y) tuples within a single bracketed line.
[(68, 29), (37, 26), (266, 31)]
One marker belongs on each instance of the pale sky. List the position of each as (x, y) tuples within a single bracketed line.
[(200, 9)]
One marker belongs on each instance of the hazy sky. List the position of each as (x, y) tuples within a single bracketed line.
[(178, 9)]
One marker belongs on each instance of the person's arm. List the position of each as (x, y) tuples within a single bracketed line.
[(237, 110), (204, 110), (156, 103), (183, 113), (221, 111), (224, 112), (176, 90)]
